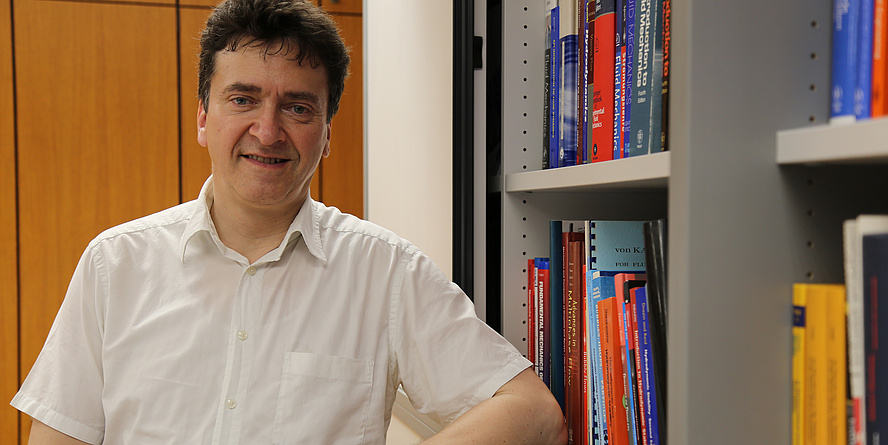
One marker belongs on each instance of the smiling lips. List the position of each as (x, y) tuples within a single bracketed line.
[(266, 160)]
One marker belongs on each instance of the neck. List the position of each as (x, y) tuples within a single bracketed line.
[(251, 232)]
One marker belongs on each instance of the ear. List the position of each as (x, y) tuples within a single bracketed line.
[(201, 124), (326, 151)]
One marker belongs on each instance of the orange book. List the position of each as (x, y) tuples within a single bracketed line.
[(612, 372), (880, 58)]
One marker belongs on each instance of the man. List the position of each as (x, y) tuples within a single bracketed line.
[(256, 315)]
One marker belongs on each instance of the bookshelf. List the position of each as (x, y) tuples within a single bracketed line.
[(748, 216)]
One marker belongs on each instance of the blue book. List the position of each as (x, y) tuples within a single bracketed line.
[(600, 286), (616, 245), (628, 369), (649, 390), (863, 90), (567, 150), (846, 14), (629, 64), (640, 126), (552, 13)]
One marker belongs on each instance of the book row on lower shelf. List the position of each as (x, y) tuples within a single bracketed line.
[(596, 308), (839, 371)]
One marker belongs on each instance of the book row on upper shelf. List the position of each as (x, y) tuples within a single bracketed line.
[(606, 80), (839, 385), (596, 328), (859, 60)]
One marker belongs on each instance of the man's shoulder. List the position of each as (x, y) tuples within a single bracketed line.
[(171, 221), (334, 223)]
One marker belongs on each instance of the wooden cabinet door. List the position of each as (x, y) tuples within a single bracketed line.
[(97, 122), (8, 276), (196, 166)]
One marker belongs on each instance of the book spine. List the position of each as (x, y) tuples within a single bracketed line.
[(880, 52), (799, 303), (815, 366), (844, 59), (619, 92), (556, 321), (567, 149), (603, 81), (590, 70), (543, 331), (629, 69), (547, 73), (626, 356), (638, 383), (836, 414), (875, 291), (642, 111), (664, 92), (864, 85), (582, 70), (601, 289), (531, 312), (554, 83), (656, 77), (574, 346), (612, 366), (649, 390)]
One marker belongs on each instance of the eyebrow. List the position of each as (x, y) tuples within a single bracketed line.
[(240, 87)]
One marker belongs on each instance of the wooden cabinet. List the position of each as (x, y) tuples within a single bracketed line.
[(195, 161)]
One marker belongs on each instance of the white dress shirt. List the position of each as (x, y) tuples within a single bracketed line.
[(166, 336)]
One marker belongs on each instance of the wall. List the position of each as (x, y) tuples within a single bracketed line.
[(408, 122)]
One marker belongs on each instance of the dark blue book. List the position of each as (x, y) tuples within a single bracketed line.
[(567, 149), (846, 16), (556, 309), (629, 68), (619, 75), (552, 14), (863, 89), (649, 390), (875, 292)]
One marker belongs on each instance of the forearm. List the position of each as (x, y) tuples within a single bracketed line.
[(522, 412)]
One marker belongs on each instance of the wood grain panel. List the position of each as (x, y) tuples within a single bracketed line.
[(195, 160), (98, 137), (8, 236), (342, 173), (342, 6)]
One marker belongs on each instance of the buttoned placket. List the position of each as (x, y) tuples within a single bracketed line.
[(232, 406)]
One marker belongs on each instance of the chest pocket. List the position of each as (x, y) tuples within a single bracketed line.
[(323, 400)]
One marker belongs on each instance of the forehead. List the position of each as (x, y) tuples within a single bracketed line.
[(270, 68)]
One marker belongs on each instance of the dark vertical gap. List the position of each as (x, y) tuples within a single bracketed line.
[(180, 100), (463, 145), (493, 147), (18, 236)]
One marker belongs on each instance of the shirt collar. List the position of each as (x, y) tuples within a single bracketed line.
[(306, 225)]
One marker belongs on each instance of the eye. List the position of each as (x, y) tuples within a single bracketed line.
[(297, 109), (240, 101)]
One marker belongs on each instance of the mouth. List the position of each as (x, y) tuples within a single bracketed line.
[(264, 160)]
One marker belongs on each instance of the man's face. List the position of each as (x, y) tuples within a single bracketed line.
[(265, 128)]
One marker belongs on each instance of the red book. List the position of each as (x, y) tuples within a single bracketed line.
[(604, 64), (612, 372), (531, 312), (575, 345)]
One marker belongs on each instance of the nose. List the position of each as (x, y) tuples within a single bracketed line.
[(267, 128)]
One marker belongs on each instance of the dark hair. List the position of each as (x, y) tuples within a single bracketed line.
[(279, 26)]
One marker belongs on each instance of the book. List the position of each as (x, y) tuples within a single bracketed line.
[(664, 92), (542, 323), (880, 58), (864, 83), (531, 274), (656, 248), (590, 69), (560, 233), (844, 59), (648, 395), (836, 375), (875, 291), (547, 81), (815, 363), (624, 283), (853, 231), (574, 342), (628, 70), (603, 81), (582, 78), (601, 287), (612, 371), (799, 304), (554, 48), (648, 85), (616, 245), (619, 74), (567, 145)]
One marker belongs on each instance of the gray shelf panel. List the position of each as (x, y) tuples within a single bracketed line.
[(859, 142), (642, 172)]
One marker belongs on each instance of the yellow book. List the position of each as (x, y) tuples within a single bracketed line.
[(799, 302), (816, 384), (836, 417)]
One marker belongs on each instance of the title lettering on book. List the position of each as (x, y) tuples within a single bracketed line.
[(643, 42), (667, 13), (635, 249)]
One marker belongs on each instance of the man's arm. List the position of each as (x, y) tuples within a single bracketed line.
[(44, 435), (521, 411)]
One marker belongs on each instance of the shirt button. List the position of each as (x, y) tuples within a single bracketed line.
[(251, 270), (231, 403), (241, 335)]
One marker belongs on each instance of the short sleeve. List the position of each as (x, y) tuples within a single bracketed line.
[(448, 360), (64, 387)]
